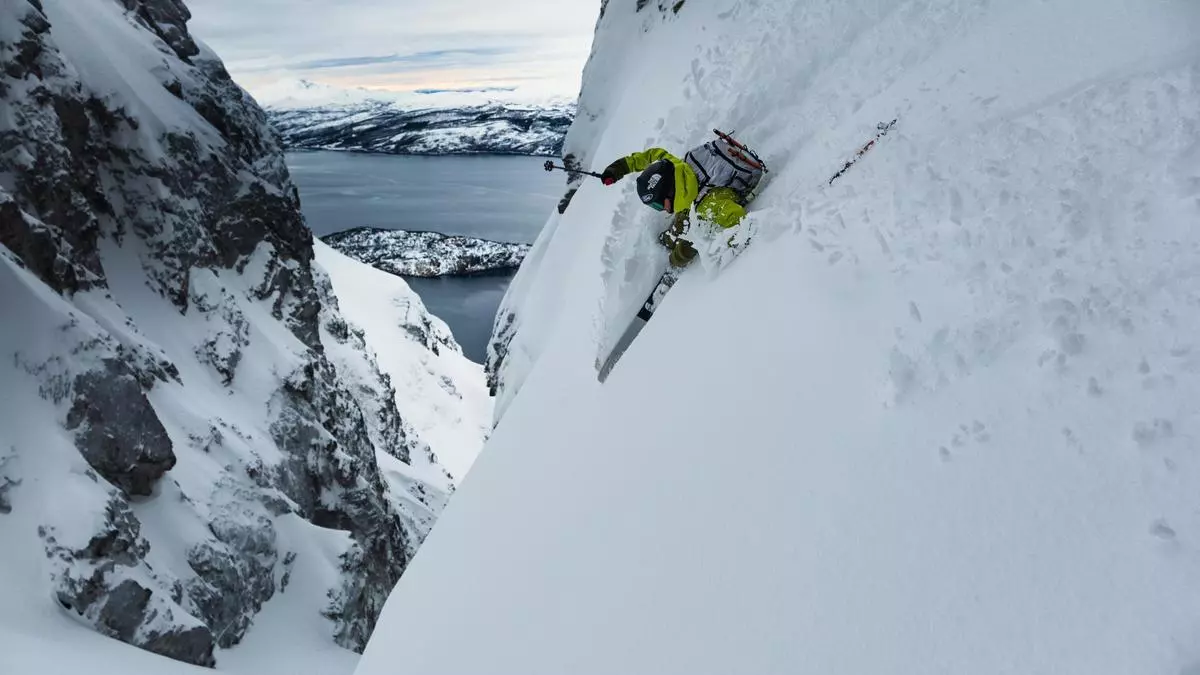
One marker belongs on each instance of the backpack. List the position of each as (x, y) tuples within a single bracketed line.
[(725, 162)]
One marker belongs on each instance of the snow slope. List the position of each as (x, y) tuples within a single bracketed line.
[(939, 418)]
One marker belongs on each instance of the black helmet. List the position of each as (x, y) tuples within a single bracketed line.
[(657, 184)]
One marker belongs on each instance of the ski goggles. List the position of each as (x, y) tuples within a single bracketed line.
[(657, 206)]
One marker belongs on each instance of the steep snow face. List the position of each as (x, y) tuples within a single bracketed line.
[(939, 416), (380, 126), (199, 455), (427, 254)]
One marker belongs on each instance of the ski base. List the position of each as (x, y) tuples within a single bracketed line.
[(665, 282)]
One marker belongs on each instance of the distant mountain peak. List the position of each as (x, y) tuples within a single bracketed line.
[(489, 127), (305, 93)]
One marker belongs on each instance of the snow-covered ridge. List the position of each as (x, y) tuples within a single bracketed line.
[(303, 93), (939, 417), (427, 254), (386, 127), (199, 449)]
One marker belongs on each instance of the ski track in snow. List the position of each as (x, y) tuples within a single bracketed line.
[(939, 417)]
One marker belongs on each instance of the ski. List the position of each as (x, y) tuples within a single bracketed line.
[(881, 130), (665, 282)]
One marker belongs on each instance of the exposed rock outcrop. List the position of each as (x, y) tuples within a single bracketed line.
[(117, 430), (6, 482), (97, 581), (332, 476)]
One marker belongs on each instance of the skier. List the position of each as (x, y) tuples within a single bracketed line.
[(719, 177), (723, 174)]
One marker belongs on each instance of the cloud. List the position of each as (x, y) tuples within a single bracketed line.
[(463, 90), (535, 49), (437, 56)]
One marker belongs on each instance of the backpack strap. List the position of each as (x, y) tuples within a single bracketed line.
[(703, 178)]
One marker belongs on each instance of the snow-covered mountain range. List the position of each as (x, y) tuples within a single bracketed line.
[(939, 417), (427, 254), (388, 127), (214, 444), (302, 93)]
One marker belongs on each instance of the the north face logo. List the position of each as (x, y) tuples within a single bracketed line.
[(654, 181)]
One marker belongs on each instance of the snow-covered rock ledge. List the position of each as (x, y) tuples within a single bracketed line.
[(427, 254)]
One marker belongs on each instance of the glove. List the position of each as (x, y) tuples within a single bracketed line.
[(682, 254), (667, 241), (680, 223), (614, 172)]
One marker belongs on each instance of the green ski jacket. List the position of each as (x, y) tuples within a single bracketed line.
[(720, 206)]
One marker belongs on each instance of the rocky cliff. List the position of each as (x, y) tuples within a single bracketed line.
[(175, 429)]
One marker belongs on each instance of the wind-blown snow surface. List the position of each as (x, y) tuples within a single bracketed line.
[(939, 418)]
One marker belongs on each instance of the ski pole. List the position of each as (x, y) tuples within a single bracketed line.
[(550, 166), (757, 162), (881, 130)]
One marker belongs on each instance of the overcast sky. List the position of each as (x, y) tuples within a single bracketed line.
[(535, 48)]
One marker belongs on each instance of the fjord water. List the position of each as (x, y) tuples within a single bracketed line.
[(492, 197)]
